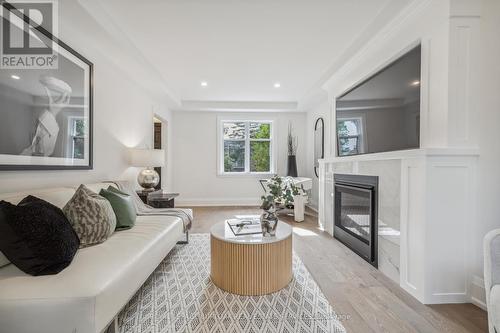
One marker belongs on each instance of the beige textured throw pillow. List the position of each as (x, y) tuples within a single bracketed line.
[(91, 215)]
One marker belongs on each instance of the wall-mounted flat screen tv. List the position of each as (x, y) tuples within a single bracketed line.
[(382, 113)]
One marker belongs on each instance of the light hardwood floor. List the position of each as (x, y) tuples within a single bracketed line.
[(373, 302)]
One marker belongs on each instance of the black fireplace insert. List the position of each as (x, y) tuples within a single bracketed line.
[(355, 215)]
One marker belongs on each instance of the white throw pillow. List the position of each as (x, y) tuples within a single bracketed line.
[(3, 260)]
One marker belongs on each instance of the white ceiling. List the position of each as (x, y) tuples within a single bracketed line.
[(241, 48)]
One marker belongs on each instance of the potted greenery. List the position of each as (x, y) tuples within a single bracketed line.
[(282, 193), (279, 191)]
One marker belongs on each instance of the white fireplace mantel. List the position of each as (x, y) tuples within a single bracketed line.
[(403, 154)]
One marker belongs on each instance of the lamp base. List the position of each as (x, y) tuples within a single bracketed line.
[(148, 179)]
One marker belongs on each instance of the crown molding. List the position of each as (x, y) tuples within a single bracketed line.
[(313, 100)]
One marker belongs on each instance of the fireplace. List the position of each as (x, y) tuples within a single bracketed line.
[(355, 218)]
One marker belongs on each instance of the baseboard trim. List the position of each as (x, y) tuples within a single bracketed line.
[(478, 292), (447, 298), (312, 207), (478, 303), (198, 202)]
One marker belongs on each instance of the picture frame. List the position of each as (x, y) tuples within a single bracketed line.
[(46, 114)]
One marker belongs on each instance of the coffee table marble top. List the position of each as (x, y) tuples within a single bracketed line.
[(223, 232)]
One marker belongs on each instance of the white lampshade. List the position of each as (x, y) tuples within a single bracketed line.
[(147, 157)]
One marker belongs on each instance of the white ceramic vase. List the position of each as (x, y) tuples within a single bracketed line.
[(299, 206)]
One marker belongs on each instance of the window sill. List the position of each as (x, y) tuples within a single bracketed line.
[(245, 174)]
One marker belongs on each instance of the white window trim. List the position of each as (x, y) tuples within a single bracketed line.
[(220, 147)]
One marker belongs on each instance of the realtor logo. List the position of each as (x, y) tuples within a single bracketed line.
[(27, 30)]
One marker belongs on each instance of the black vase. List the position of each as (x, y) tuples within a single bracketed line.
[(292, 166)]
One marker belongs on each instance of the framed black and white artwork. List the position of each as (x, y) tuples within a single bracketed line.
[(45, 104)]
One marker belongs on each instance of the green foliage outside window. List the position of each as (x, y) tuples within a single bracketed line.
[(260, 155), (260, 131)]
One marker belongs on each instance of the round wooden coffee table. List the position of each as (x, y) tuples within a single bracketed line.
[(251, 264)]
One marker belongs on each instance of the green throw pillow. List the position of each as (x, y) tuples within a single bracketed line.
[(122, 206)]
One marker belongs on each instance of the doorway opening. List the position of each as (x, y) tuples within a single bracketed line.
[(157, 144)]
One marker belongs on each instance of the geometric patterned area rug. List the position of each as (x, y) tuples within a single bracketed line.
[(180, 297)]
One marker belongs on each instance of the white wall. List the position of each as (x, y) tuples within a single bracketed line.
[(195, 158), (123, 110), (321, 109), (489, 135)]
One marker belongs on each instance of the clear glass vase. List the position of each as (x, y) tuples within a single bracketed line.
[(269, 222)]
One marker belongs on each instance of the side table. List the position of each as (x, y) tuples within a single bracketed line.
[(143, 195), (158, 199)]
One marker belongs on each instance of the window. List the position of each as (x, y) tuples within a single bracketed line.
[(77, 134), (245, 147), (350, 140)]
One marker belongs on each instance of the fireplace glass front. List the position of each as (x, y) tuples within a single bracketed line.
[(355, 206), (355, 222)]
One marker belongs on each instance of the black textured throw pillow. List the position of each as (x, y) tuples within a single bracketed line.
[(36, 236)]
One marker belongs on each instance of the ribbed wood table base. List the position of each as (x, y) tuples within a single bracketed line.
[(251, 269)]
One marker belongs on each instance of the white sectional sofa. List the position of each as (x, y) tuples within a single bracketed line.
[(86, 296)]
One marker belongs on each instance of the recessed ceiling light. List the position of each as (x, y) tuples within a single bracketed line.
[(204, 83), (15, 77), (415, 83), (277, 85)]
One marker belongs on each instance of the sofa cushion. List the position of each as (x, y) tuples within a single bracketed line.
[(94, 288), (122, 206), (57, 196), (91, 215), (36, 236)]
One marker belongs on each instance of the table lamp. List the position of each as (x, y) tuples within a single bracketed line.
[(148, 178)]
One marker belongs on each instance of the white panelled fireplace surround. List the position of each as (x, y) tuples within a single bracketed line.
[(426, 197), (425, 214)]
